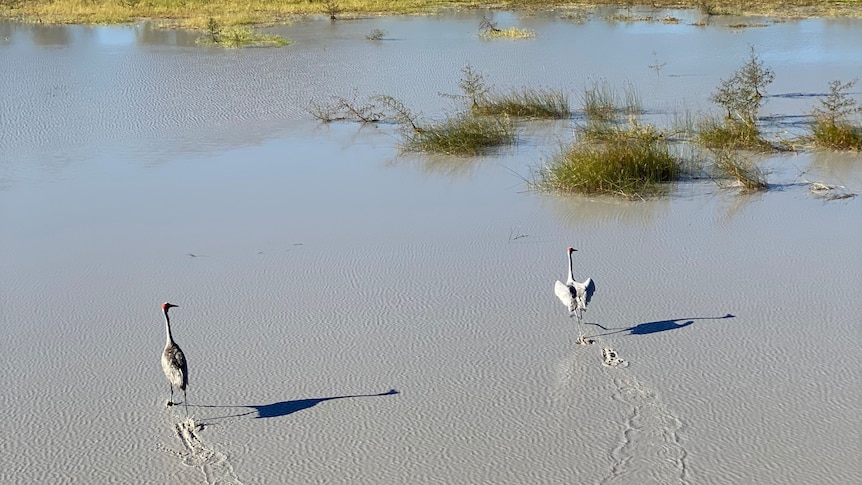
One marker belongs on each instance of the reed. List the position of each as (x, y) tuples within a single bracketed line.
[(603, 104)]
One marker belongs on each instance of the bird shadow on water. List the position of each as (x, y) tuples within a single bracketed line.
[(278, 409), (655, 327)]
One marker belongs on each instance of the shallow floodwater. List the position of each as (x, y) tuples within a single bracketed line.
[(354, 314)]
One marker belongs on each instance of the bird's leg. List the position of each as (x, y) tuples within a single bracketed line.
[(582, 340), (171, 400), (186, 402)]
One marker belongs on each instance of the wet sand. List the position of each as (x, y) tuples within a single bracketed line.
[(355, 315)]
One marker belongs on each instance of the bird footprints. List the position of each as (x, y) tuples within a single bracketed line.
[(582, 340), (611, 359)]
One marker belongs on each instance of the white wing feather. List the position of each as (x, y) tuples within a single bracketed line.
[(564, 293)]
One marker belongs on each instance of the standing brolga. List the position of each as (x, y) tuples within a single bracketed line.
[(575, 296), (174, 361)]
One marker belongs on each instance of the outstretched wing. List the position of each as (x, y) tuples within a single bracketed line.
[(565, 294), (590, 289), (584, 292)]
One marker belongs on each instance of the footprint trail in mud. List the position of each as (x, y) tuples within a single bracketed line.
[(213, 464), (650, 450)]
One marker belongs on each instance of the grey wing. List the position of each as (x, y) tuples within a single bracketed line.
[(590, 289), (175, 367)]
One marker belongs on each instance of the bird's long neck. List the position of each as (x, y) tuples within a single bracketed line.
[(571, 274), (170, 339)]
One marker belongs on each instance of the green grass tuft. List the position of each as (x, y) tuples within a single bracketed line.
[(234, 37), (462, 134), (528, 103), (729, 166), (730, 134), (633, 161), (509, 33), (837, 136), (603, 104)]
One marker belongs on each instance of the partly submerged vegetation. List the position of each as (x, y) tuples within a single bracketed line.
[(238, 36), (527, 103), (484, 122), (489, 30), (628, 160), (730, 166), (740, 96), (462, 134), (508, 33), (833, 127), (603, 104), (194, 13), (613, 153), (730, 134)]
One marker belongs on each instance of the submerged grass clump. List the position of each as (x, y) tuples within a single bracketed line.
[(832, 127), (527, 103), (462, 134), (730, 134), (602, 103), (632, 161), (508, 33), (237, 36), (729, 166), (837, 136)]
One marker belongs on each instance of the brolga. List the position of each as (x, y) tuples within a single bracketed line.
[(575, 296), (174, 361)]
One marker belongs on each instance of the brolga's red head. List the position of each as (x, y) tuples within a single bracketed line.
[(166, 306), (571, 250)]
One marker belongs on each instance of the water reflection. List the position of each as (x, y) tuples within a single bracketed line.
[(836, 168), (5, 33), (51, 35), (148, 33), (574, 210), (448, 166)]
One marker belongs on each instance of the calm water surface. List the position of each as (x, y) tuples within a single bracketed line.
[(136, 167)]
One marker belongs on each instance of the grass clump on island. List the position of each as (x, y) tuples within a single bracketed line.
[(631, 161), (462, 134), (526, 103), (832, 127), (741, 97), (489, 30), (612, 156), (238, 36)]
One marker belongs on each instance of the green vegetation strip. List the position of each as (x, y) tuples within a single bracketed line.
[(194, 13)]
